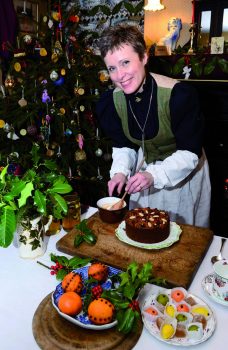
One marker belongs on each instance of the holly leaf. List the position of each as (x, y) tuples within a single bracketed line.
[(61, 274), (25, 194), (40, 201), (90, 238), (223, 65), (78, 240), (76, 262), (125, 320)]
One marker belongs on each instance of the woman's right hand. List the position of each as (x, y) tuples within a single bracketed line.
[(117, 181)]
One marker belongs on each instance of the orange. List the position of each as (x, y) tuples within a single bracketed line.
[(72, 282), (98, 271), (100, 311), (70, 303)]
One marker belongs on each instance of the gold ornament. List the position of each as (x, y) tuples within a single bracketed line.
[(80, 155), (2, 123), (62, 110), (55, 15), (43, 52), (103, 75), (79, 91), (17, 67), (54, 57)]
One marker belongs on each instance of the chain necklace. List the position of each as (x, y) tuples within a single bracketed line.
[(143, 128)]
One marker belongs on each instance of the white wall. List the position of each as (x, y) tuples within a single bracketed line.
[(155, 25)]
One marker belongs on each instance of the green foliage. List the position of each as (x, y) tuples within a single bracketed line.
[(124, 297), (68, 264), (85, 234), (39, 190)]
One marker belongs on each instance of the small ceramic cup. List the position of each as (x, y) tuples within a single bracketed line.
[(111, 216), (220, 283)]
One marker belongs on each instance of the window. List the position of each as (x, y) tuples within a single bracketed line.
[(212, 20)]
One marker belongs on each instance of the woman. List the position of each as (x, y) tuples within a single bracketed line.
[(158, 118)]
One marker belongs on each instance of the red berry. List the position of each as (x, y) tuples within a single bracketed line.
[(97, 291)]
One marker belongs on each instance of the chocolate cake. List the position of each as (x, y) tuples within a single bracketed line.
[(147, 225)]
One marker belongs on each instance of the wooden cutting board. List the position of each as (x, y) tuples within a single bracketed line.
[(53, 332), (177, 263)]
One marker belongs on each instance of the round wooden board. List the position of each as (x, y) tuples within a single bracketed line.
[(51, 331)]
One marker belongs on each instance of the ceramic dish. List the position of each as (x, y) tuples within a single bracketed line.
[(82, 319), (207, 285), (175, 232), (154, 330)]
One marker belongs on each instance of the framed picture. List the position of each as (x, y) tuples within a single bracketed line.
[(217, 45), (28, 16)]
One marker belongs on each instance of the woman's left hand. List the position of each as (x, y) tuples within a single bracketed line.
[(138, 182)]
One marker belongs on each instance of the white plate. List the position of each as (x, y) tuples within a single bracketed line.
[(207, 284), (174, 236), (154, 330), (82, 319)]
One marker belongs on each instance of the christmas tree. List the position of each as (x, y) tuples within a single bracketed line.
[(51, 85), (51, 82)]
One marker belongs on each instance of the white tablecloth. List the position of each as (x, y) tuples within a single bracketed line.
[(24, 284)]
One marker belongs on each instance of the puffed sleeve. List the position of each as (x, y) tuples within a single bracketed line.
[(186, 118)]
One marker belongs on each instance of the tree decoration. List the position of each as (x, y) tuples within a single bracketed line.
[(17, 66), (45, 97), (22, 102), (9, 82), (99, 152), (2, 123), (43, 52), (27, 39), (59, 81), (54, 75), (80, 155)]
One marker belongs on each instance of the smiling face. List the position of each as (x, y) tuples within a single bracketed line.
[(125, 68)]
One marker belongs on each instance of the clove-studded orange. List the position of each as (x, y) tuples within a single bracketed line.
[(72, 282)]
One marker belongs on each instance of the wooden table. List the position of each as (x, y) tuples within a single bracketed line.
[(177, 263)]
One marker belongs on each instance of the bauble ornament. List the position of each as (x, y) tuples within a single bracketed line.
[(99, 152), (54, 75)]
